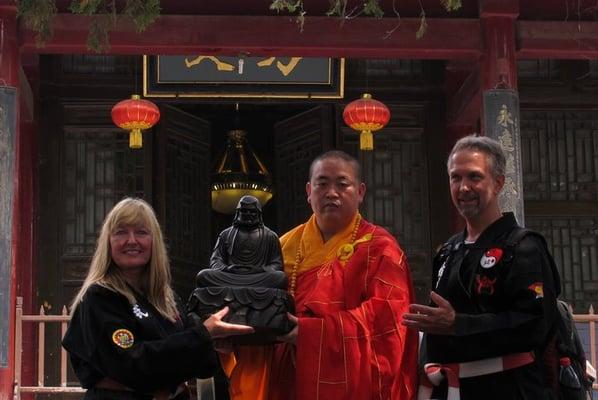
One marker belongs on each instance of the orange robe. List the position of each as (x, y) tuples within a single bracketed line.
[(248, 370), (351, 344)]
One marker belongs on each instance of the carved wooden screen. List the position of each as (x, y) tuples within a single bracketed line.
[(298, 140), (97, 169), (85, 167), (396, 176), (183, 193), (560, 167)]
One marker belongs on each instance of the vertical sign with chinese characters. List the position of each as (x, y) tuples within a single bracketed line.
[(8, 129), (501, 122)]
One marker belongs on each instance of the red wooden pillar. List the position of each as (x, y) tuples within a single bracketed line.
[(26, 273), (499, 64), (9, 76), (497, 67), (500, 97)]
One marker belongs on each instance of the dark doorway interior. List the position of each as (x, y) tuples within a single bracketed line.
[(258, 120)]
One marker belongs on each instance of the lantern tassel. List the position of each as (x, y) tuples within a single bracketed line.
[(135, 139), (366, 140)]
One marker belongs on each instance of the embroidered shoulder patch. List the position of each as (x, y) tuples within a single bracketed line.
[(123, 338), (138, 313), (538, 289), (491, 257)]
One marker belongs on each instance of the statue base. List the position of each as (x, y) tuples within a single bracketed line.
[(264, 309)]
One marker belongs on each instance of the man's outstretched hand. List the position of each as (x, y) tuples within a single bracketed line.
[(436, 320)]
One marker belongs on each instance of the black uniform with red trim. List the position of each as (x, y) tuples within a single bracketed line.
[(134, 344), (505, 303)]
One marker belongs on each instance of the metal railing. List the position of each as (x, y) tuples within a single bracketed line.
[(41, 319)]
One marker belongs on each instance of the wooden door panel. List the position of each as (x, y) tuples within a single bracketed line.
[(298, 140), (183, 193), (97, 169), (397, 196), (86, 167), (559, 150)]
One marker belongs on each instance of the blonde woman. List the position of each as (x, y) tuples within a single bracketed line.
[(128, 338)]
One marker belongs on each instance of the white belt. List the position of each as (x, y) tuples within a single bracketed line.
[(434, 373)]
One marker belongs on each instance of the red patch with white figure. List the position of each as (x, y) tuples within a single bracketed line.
[(538, 289), (491, 257)]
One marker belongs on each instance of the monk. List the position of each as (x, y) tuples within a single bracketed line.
[(351, 285)]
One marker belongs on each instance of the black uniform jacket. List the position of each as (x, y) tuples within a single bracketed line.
[(134, 345), (505, 301)]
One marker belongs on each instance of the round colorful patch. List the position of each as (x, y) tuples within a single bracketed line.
[(123, 338), (491, 257)]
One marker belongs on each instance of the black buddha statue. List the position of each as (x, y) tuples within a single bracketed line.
[(247, 253), (246, 274)]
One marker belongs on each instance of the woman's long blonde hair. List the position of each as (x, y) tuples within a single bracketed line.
[(155, 278)]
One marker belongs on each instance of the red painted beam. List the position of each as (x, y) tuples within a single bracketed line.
[(557, 40), (272, 36), (498, 8)]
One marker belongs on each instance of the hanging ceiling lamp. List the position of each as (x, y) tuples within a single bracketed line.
[(366, 115), (135, 114), (239, 172)]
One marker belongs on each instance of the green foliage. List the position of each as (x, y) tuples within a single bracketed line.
[(142, 12), (98, 36), (37, 15), (451, 5), (291, 7), (369, 7), (423, 26), (337, 8), (372, 8), (85, 7), (285, 5)]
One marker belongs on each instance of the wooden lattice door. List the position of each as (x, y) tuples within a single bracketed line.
[(298, 140), (396, 177), (183, 193), (560, 174)]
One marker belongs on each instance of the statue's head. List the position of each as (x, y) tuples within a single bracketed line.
[(249, 212)]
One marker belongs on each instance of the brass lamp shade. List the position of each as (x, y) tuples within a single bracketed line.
[(239, 172)]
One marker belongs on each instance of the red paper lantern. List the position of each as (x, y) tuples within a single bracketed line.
[(367, 116), (135, 114)]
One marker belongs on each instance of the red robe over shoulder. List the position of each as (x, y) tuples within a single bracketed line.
[(351, 344)]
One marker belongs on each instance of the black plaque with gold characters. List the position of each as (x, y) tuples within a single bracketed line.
[(243, 77)]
